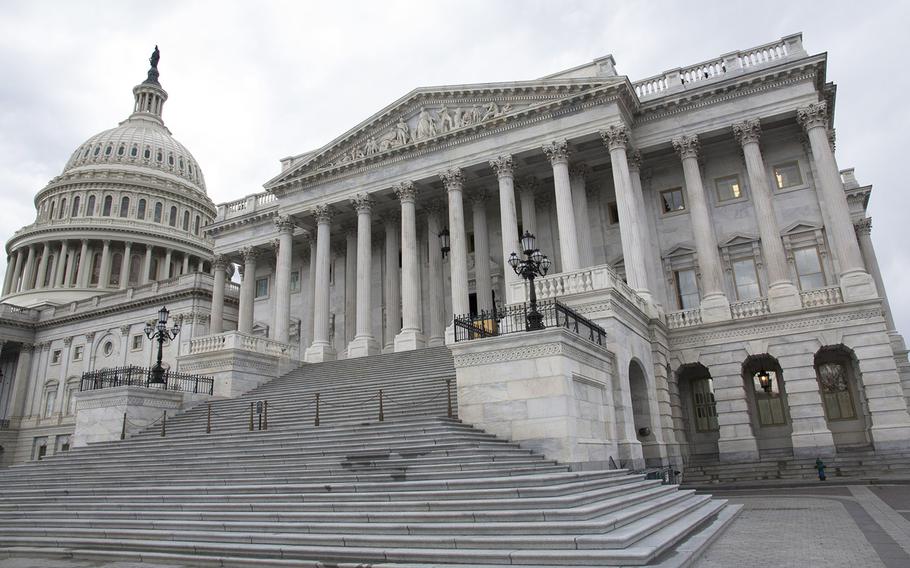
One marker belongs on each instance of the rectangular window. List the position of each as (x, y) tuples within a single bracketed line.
[(262, 287), (745, 279), (295, 281), (809, 268), (672, 200), (136, 343), (77, 352), (50, 398), (787, 175), (728, 188), (613, 213), (686, 289), (56, 356), (705, 405)]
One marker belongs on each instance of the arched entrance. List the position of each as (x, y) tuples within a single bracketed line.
[(770, 412), (644, 414), (696, 392), (842, 396)]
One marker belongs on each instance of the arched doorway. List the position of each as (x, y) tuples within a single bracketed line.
[(645, 421), (696, 392), (843, 399), (770, 412)]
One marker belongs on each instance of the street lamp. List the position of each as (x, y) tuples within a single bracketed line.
[(537, 264), (444, 241), (764, 380), (161, 333)]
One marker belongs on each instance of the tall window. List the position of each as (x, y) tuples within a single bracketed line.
[(50, 399), (672, 200), (728, 188), (53, 209), (770, 405), (75, 206), (262, 287), (835, 388), (140, 210), (686, 289), (90, 206), (135, 269), (62, 209), (172, 218), (96, 269), (116, 264), (186, 220), (124, 206), (106, 208), (745, 279), (809, 268), (157, 217), (196, 225), (295, 281), (704, 405), (787, 175)]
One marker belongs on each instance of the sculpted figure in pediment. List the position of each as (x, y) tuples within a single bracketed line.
[(426, 127), (445, 121), (475, 114), (371, 147), (389, 140), (492, 111), (466, 118), (506, 109), (402, 132), (456, 118)]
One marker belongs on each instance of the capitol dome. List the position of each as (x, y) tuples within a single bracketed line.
[(128, 209)]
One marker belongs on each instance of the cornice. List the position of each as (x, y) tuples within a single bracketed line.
[(256, 218)]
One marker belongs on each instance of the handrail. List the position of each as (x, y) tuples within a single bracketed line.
[(133, 376), (513, 319)]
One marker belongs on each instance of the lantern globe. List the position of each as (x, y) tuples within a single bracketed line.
[(528, 241)]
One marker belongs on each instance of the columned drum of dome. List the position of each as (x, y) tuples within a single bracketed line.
[(129, 207)]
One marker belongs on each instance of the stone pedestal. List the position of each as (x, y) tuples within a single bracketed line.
[(548, 390), (99, 413)]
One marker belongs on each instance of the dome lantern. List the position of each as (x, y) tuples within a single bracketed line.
[(149, 95)]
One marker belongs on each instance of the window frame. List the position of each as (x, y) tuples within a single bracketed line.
[(733, 199), (678, 290), (799, 171), (661, 202), (268, 287)]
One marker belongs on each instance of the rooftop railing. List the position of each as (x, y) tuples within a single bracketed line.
[(514, 319)]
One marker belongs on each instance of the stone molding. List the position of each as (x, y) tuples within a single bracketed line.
[(527, 184), (633, 158), (579, 171), (509, 354), (863, 226)]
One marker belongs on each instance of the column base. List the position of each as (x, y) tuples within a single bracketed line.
[(737, 450), (783, 297), (858, 285), (715, 308), (319, 352), (362, 347), (436, 341), (409, 340)]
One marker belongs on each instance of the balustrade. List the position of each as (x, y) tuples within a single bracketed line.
[(749, 308), (684, 318), (822, 297), (242, 341), (578, 281)]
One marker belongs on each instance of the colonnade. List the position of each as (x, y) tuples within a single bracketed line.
[(403, 287)]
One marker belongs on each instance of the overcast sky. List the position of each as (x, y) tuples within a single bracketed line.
[(252, 82)]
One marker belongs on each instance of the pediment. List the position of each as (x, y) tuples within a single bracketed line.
[(739, 239), (679, 250), (800, 227), (435, 115)]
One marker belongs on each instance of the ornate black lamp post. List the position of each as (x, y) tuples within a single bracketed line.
[(537, 264), (161, 333), (444, 242)]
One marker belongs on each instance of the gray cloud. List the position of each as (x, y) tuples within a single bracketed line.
[(251, 82)]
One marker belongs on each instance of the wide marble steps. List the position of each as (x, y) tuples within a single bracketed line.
[(417, 489)]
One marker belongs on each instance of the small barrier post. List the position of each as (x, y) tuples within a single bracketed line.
[(449, 397), (316, 421), (163, 423), (251, 416), (265, 419), (123, 428), (381, 413), (208, 420)]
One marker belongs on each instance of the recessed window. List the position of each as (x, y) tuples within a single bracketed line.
[(97, 150), (295, 281), (172, 218), (769, 403), (686, 289), (62, 209), (140, 210), (159, 156), (136, 344), (56, 355), (77, 352), (90, 206), (75, 210), (835, 387), (808, 268), (196, 225), (108, 348), (262, 287), (186, 220), (745, 279), (147, 154), (704, 405), (157, 217), (672, 200), (728, 188), (787, 175), (134, 151), (106, 207), (121, 150), (50, 399), (613, 212), (124, 206), (108, 150)]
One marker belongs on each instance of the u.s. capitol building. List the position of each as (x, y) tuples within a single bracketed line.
[(698, 216)]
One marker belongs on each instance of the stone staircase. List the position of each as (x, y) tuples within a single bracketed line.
[(416, 489), (863, 464)]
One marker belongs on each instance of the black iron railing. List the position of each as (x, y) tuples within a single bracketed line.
[(514, 319), (132, 376)]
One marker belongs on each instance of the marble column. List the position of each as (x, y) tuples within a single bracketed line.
[(186, 264), (321, 349), (311, 291), (60, 271), (28, 278), (453, 180), (147, 265), (104, 272), (856, 283), (125, 265), (364, 343), (13, 286), (411, 335), (10, 271), (281, 331), (42, 266), (508, 220), (527, 187), (631, 219), (68, 277), (219, 263), (350, 281), (82, 276), (436, 286), (558, 154), (714, 303), (810, 435), (247, 290), (21, 381), (783, 296), (482, 279), (166, 267), (864, 236), (578, 174), (648, 228), (392, 279)]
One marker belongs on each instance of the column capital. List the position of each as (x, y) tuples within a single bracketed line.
[(276, 245), (633, 159), (284, 224), (89, 337), (557, 151), (863, 226), (29, 347), (452, 179), (478, 196), (362, 203), (579, 170), (125, 329), (219, 262), (406, 192), (747, 131), (528, 184), (248, 254), (127, 244), (503, 166), (323, 214), (67, 341), (686, 146), (615, 137), (813, 115), (105, 242)]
